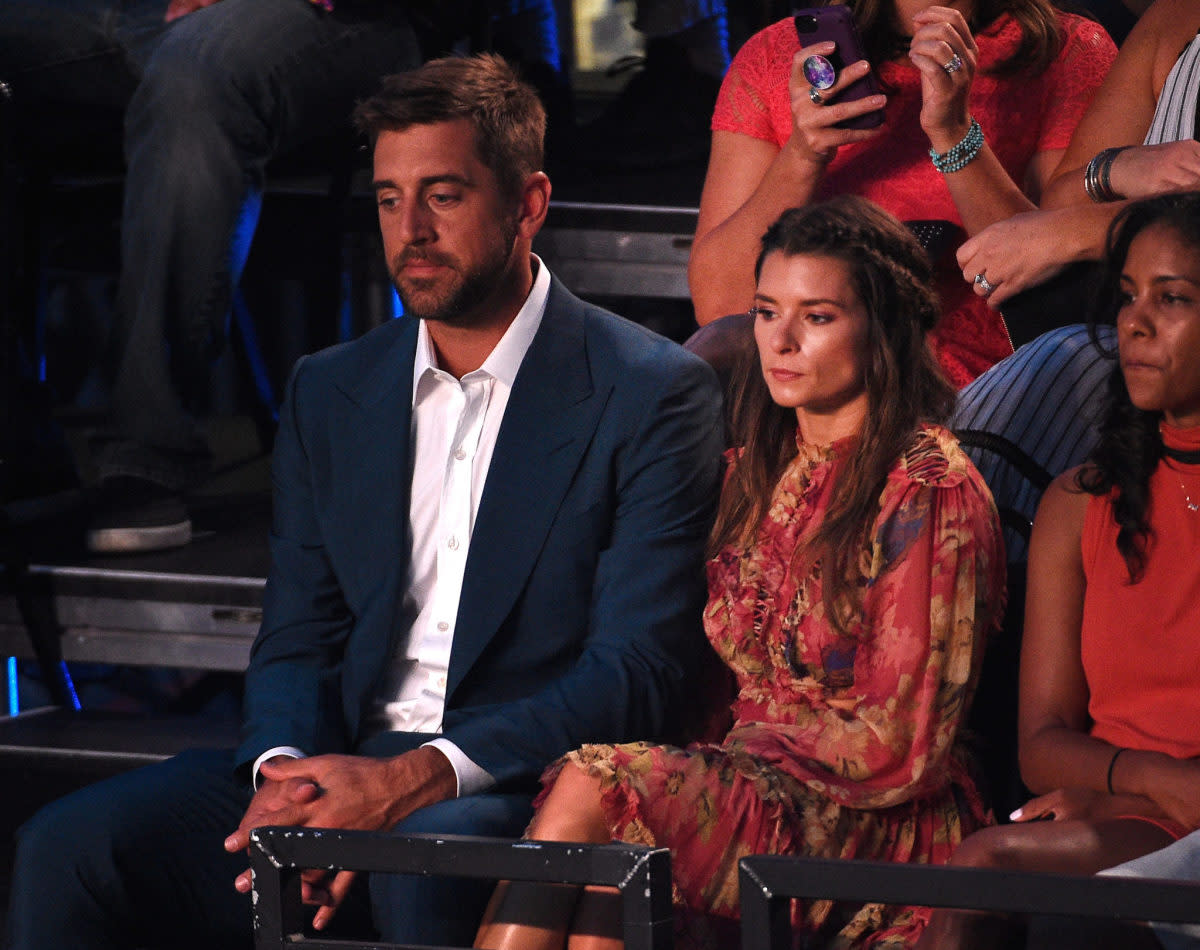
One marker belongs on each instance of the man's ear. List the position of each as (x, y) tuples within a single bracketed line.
[(535, 202)]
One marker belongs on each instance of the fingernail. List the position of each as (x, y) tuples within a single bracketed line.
[(230, 843), (1015, 816)]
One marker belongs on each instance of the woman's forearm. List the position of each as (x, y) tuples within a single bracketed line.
[(1061, 757), (1149, 783), (721, 267), (984, 193), (1173, 784), (1066, 189)]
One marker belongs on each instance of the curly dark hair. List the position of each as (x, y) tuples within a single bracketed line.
[(905, 386), (1130, 445)]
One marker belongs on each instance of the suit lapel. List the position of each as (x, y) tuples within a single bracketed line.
[(551, 415), (378, 425), (375, 465)]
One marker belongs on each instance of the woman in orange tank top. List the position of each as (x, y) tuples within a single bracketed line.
[(1110, 665)]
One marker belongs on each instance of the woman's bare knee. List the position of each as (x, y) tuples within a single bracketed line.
[(1002, 846), (572, 810)]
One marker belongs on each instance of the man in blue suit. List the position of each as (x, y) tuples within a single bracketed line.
[(487, 549)]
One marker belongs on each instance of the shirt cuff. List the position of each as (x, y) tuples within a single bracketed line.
[(471, 778), (288, 750)]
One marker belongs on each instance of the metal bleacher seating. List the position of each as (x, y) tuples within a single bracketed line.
[(615, 250), (277, 856), (768, 885)]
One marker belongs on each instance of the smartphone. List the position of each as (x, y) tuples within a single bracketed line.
[(819, 24)]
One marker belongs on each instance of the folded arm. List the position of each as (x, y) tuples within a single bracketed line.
[(1030, 248)]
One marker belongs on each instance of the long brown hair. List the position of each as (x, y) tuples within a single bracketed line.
[(905, 387), (1041, 38)]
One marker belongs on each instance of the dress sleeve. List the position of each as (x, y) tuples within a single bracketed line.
[(884, 710), (1086, 56), (745, 102)]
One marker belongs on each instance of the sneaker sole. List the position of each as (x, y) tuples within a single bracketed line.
[(133, 540)]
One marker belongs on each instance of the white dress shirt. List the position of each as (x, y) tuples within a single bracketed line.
[(453, 434)]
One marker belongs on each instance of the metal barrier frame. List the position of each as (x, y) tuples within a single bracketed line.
[(768, 884), (278, 855)]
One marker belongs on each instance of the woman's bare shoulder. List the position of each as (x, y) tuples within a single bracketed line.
[(1167, 19), (1160, 36), (1065, 501)]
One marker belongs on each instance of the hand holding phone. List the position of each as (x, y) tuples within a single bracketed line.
[(822, 71)]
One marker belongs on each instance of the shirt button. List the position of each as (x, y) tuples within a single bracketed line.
[(452, 544), (460, 454), (443, 626)]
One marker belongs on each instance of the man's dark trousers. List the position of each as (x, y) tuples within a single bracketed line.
[(153, 872)]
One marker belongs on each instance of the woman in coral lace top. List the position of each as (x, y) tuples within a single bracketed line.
[(1110, 665), (1026, 82), (857, 571)]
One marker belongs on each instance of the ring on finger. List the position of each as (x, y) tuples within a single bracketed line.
[(984, 284), (954, 65), (815, 95)]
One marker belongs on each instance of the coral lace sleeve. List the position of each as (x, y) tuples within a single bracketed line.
[(763, 62), (869, 718), (755, 87)]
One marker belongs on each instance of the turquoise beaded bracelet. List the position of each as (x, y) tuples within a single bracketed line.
[(961, 154)]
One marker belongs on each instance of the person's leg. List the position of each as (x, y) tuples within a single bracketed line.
[(442, 911), (66, 81), (597, 924), (1076, 933), (136, 860), (523, 915), (1066, 847), (66, 60), (225, 88), (662, 115), (698, 26), (1178, 862)]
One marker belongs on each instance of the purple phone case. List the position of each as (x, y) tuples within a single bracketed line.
[(819, 24)]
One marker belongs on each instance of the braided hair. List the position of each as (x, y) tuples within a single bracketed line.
[(905, 387), (1130, 445)]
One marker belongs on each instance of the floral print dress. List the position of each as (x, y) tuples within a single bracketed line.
[(843, 745)]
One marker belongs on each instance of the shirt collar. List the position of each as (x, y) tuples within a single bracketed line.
[(505, 359)]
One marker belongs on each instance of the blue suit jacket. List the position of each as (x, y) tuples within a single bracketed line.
[(580, 611)]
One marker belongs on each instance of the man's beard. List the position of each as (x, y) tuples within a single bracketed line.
[(454, 301)]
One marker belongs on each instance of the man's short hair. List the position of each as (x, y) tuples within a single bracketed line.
[(509, 120)]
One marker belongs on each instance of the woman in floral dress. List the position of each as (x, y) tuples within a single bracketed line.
[(856, 572)]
